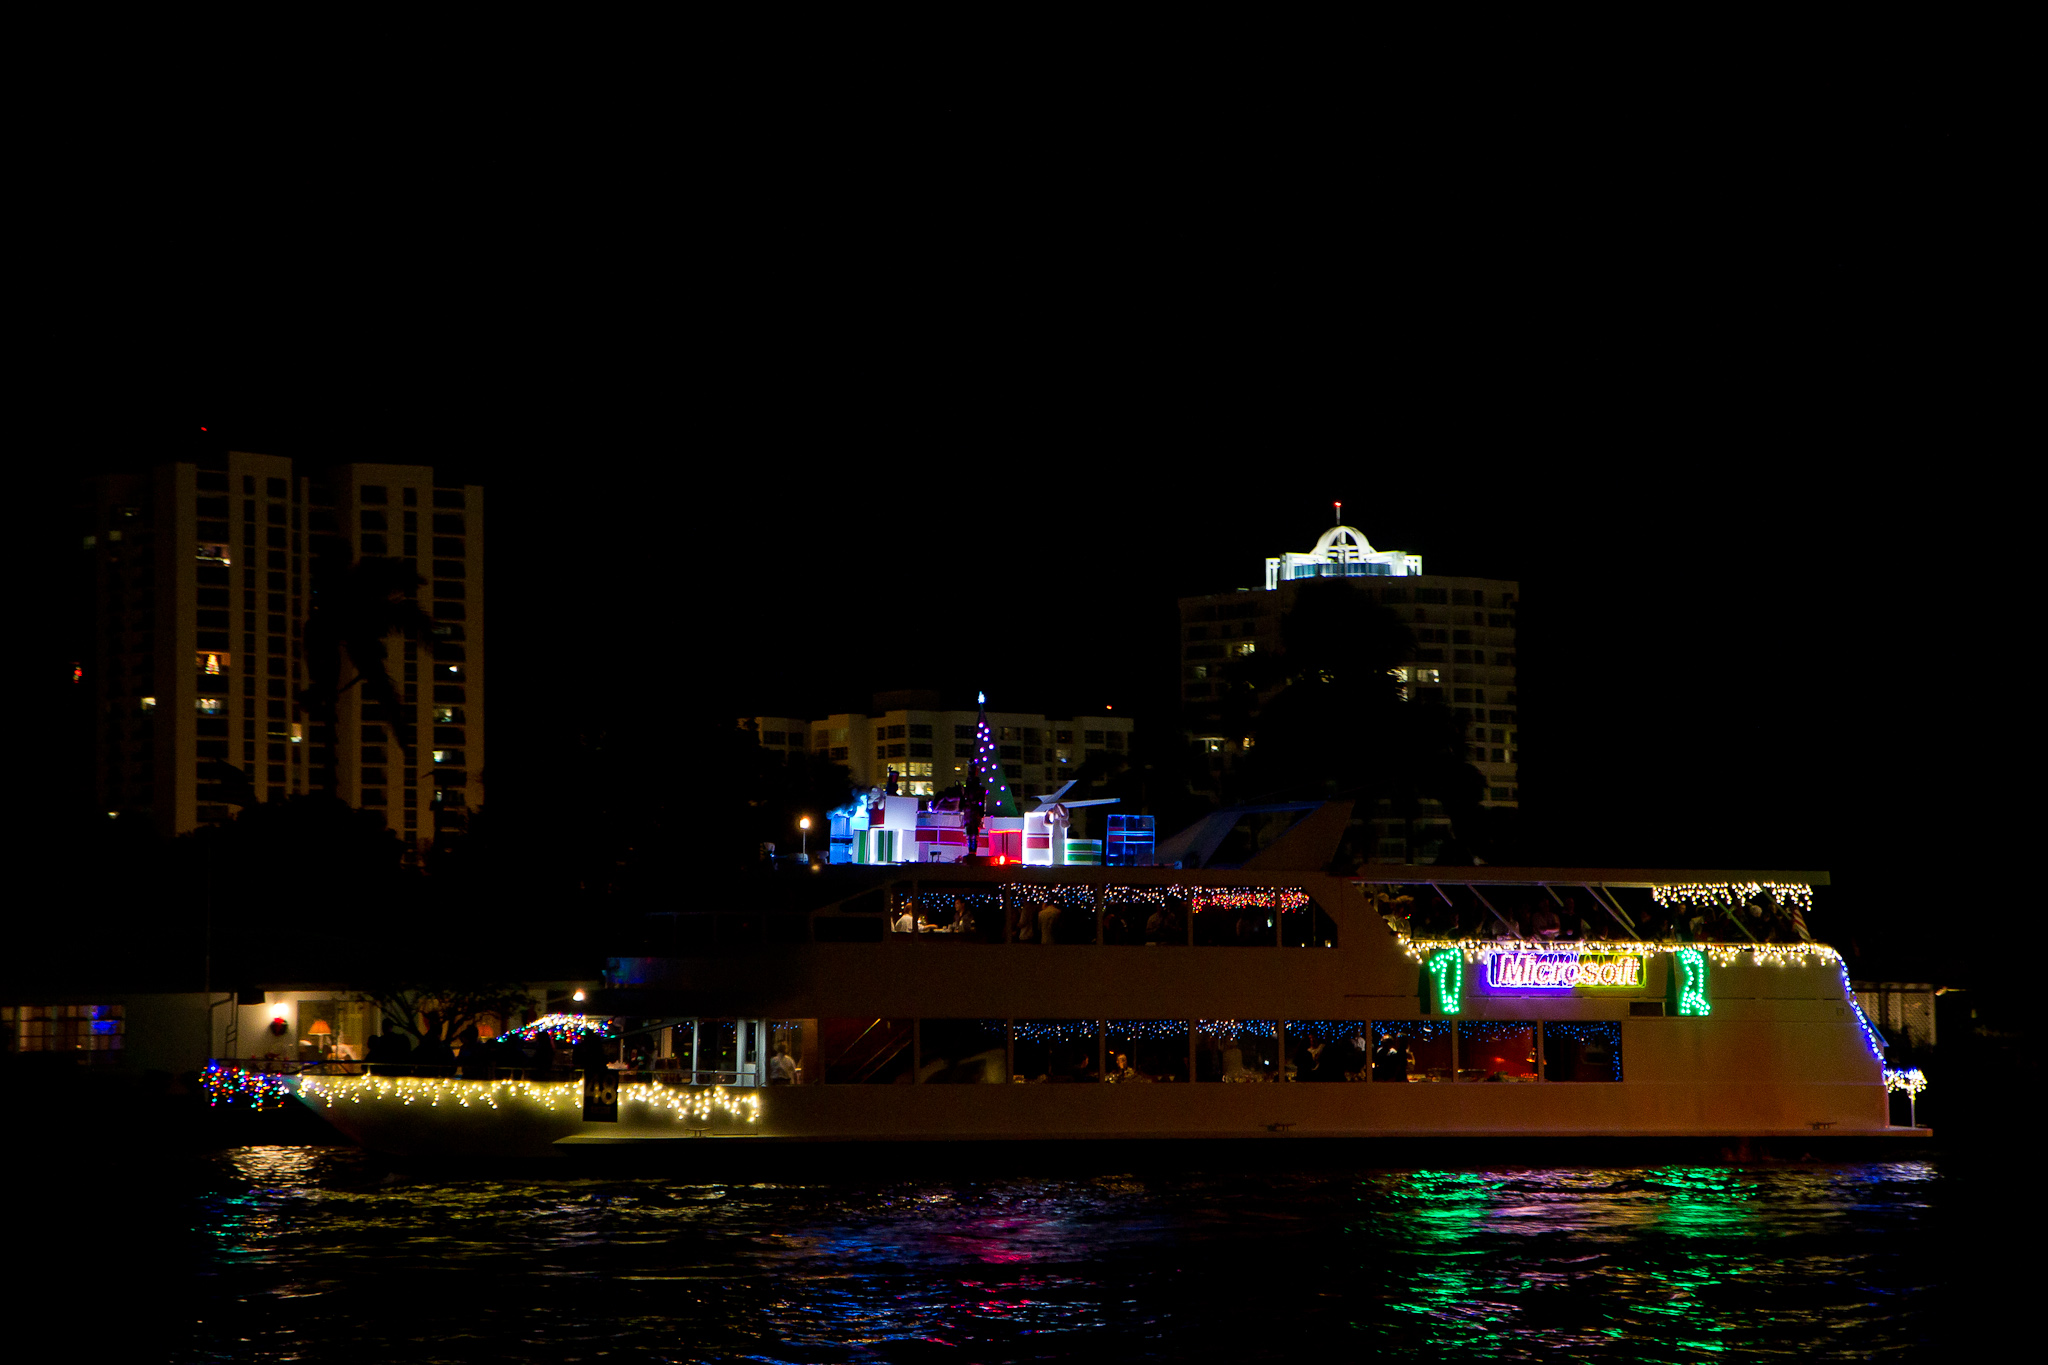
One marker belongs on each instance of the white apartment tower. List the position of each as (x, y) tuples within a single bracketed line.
[(1464, 658), (202, 584)]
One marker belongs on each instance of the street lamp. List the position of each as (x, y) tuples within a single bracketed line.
[(804, 823)]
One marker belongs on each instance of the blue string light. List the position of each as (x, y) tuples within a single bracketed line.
[(1430, 1029), (1123, 1031), (1492, 1030), (1227, 1029), (1326, 1030), (1872, 1039), (1054, 1030), (1605, 1032)]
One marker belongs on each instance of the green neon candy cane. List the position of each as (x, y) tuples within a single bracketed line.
[(1448, 969), (1691, 964)]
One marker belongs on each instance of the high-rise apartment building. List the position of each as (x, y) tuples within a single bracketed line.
[(202, 584), (1464, 658)]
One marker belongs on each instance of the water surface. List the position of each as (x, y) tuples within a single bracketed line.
[(325, 1254)]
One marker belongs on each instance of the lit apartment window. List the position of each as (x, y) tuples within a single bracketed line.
[(213, 661), (149, 703), (447, 755), (213, 553), (211, 706)]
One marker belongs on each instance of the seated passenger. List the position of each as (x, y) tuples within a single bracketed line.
[(1390, 1060)]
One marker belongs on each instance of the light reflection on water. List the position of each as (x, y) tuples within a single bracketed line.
[(322, 1254)]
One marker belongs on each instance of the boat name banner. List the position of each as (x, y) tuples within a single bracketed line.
[(1562, 971)]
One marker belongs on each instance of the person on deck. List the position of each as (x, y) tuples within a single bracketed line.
[(1048, 921)]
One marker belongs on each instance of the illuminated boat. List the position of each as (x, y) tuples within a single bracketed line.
[(963, 1003)]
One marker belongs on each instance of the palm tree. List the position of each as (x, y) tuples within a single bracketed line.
[(356, 607)]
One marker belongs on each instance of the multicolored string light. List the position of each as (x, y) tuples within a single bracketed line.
[(227, 1086), (565, 1028)]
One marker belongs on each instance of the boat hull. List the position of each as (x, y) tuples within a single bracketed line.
[(515, 1119)]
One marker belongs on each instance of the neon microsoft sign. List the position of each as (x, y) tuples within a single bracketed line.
[(1562, 971)]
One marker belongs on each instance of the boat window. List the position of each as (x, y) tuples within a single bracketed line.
[(1304, 923), (798, 1038), (1140, 1050), (1237, 1050), (865, 1051), (963, 912), (904, 910), (963, 1052), (1496, 1050), (1057, 1050), (1413, 1050), (1328, 1049), (1582, 1050), (1157, 915), (1053, 914), (1235, 917)]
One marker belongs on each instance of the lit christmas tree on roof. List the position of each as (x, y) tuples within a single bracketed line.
[(988, 766)]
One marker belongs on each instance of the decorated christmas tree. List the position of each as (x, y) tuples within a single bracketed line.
[(988, 766)]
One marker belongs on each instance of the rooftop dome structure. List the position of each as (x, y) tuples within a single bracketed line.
[(1342, 552)]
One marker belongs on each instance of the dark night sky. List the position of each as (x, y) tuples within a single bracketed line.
[(1755, 502), (1730, 656)]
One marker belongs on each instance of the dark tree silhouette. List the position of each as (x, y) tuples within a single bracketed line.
[(1332, 718), (356, 608)]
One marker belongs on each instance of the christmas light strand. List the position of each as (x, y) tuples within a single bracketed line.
[(564, 1028), (1146, 1030), (1326, 1030), (1871, 1037), (1477, 950), (1713, 895), (228, 1086), (1227, 1029), (1428, 1029), (1054, 1030), (1910, 1081), (1493, 1030), (683, 1102)]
